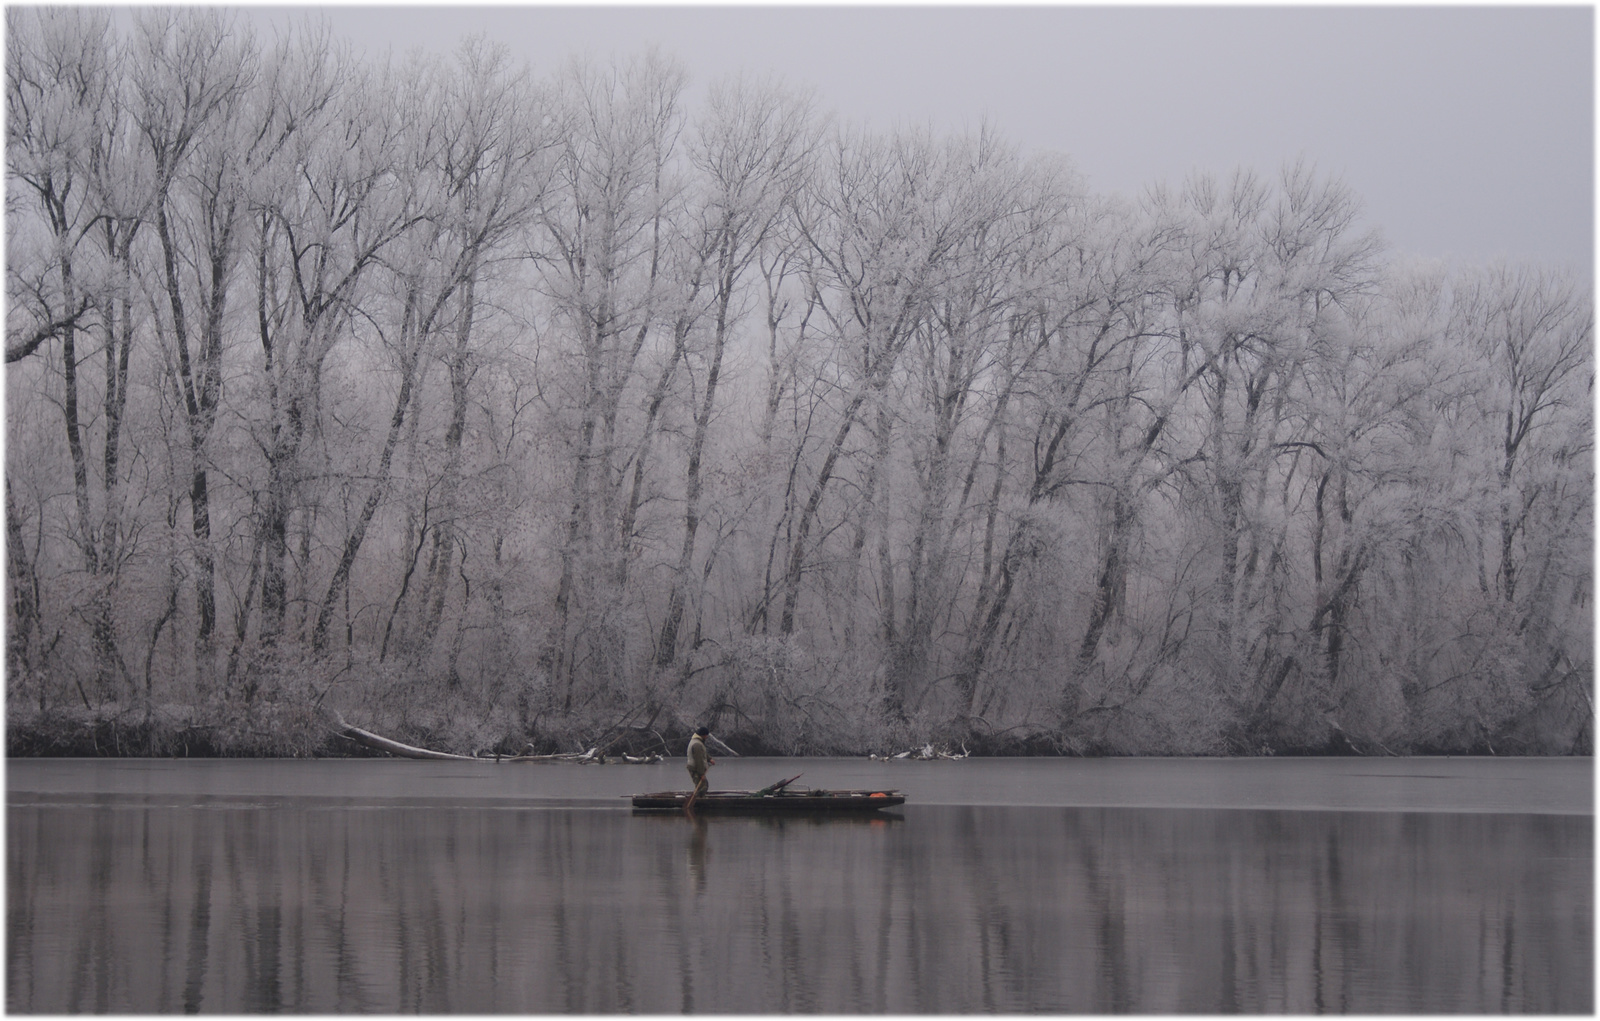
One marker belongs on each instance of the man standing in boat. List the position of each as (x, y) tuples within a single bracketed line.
[(699, 761)]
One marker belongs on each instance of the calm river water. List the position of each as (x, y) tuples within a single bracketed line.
[(1061, 885)]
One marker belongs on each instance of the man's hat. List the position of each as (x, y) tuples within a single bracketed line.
[(703, 731)]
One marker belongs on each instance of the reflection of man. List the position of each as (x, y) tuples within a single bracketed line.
[(699, 761), (698, 853)]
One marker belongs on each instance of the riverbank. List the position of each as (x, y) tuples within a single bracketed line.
[(174, 731), (294, 730), (280, 730)]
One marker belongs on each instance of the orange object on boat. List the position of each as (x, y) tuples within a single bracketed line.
[(877, 794)]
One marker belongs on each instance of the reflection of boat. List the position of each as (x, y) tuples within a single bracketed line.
[(785, 800)]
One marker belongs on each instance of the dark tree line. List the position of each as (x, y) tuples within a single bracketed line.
[(501, 405)]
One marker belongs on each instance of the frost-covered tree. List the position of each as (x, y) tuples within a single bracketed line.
[(508, 405), (600, 249)]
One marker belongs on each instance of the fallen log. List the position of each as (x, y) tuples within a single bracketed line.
[(725, 749), (923, 754), (383, 744), (591, 755)]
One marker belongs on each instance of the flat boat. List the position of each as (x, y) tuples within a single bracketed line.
[(786, 800)]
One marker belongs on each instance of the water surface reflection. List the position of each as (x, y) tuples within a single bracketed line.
[(135, 904)]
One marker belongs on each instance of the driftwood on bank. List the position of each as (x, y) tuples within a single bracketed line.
[(924, 753), (406, 751), (591, 756)]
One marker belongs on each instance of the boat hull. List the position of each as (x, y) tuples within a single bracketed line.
[(799, 802)]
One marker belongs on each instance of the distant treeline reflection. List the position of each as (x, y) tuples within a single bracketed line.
[(240, 908)]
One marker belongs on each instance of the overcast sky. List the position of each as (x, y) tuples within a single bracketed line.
[(1467, 131)]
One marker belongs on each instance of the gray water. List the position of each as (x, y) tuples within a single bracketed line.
[(1100, 886)]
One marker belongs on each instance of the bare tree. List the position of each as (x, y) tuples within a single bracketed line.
[(70, 143), (1534, 332), (328, 206), (194, 76), (602, 228), (883, 225), (477, 178), (752, 150)]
